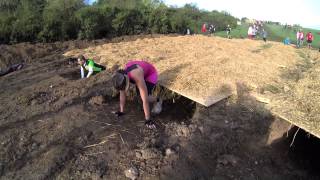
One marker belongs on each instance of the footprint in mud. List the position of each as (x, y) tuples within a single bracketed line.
[(71, 75)]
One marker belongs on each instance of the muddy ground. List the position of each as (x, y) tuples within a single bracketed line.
[(54, 125)]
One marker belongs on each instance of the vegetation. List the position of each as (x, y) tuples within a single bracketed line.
[(58, 20), (275, 32)]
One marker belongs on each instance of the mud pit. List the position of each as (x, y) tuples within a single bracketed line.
[(55, 126)]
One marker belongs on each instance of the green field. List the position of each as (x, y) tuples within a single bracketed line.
[(275, 33)]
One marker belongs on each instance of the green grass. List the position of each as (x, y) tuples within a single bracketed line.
[(275, 33), (238, 32)]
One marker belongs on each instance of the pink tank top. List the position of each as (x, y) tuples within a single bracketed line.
[(150, 72)]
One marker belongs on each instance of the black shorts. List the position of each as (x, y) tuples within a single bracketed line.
[(309, 41), (150, 88)]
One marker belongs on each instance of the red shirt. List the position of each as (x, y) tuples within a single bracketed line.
[(309, 37), (204, 29)]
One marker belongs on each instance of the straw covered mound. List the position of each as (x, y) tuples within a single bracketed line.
[(204, 69), (298, 98)]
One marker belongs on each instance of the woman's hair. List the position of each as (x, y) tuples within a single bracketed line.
[(119, 80), (81, 57), (122, 71)]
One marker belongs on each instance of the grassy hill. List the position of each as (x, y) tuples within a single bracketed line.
[(275, 33)]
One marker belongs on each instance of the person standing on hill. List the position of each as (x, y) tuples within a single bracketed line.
[(254, 32), (309, 38), (212, 29), (144, 75), (204, 28), (228, 29), (300, 38), (89, 65), (250, 32), (264, 35), (188, 31)]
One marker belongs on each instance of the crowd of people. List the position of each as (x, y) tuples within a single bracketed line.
[(208, 28), (211, 29), (257, 30)]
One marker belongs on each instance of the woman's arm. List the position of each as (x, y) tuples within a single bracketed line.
[(122, 100), (140, 82), (82, 72), (90, 71)]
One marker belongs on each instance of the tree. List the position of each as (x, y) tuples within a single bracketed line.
[(60, 22), (95, 22), (28, 21), (9, 5), (54, 20), (129, 22), (159, 20)]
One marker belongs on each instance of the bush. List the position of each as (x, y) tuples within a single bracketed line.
[(6, 22), (25, 20), (129, 22), (56, 20), (95, 22), (159, 20), (60, 22)]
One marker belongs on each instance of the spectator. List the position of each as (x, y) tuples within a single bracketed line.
[(254, 32), (264, 35), (286, 41), (204, 28), (212, 29), (228, 29), (188, 31), (299, 38), (250, 32), (309, 38)]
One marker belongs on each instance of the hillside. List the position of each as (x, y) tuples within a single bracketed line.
[(275, 33)]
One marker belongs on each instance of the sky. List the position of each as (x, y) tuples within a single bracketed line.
[(303, 12)]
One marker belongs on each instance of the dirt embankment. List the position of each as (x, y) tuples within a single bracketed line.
[(54, 125)]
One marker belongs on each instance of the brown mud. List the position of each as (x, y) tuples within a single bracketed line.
[(54, 125)]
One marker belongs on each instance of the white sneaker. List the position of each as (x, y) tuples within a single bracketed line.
[(157, 107)]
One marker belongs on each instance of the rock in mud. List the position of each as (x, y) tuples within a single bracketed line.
[(146, 154), (138, 155), (228, 159), (183, 131), (96, 100), (34, 102), (132, 173), (169, 152)]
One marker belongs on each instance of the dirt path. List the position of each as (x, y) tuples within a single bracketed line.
[(56, 126)]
